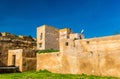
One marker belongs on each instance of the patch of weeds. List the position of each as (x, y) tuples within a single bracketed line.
[(43, 71), (47, 51)]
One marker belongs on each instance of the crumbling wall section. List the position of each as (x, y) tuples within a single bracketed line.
[(12, 42), (29, 60), (29, 64), (3, 53), (25, 59)]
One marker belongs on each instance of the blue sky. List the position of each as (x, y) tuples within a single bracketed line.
[(96, 17)]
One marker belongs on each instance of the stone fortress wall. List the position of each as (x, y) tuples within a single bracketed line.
[(77, 55), (97, 56)]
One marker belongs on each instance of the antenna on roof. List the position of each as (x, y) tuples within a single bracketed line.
[(82, 31)]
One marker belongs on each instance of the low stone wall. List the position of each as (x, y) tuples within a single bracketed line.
[(103, 64), (49, 61)]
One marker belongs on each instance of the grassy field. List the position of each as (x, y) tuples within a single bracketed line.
[(48, 75)]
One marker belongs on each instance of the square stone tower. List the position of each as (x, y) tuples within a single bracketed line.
[(47, 38), (64, 34)]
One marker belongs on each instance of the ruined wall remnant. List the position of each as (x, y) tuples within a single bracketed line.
[(15, 58), (24, 59), (3, 53), (10, 42), (29, 64)]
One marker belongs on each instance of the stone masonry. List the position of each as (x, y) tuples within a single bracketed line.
[(47, 38), (97, 56), (77, 55), (10, 41)]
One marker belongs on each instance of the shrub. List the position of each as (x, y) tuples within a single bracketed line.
[(47, 51), (44, 71)]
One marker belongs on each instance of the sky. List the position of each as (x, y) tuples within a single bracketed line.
[(97, 17)]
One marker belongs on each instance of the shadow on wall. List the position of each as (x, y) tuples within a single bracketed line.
[(2, 64), (8, 69)]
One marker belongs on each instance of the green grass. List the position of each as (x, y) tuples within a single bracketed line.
[(47, 51), (44, 74)]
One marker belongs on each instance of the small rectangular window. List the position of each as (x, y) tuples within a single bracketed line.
[(41, 35), (68, 37), (40, 44), (66, 43), (87, 42), (13, 60)]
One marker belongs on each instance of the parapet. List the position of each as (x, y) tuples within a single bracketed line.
[(76, 36)]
